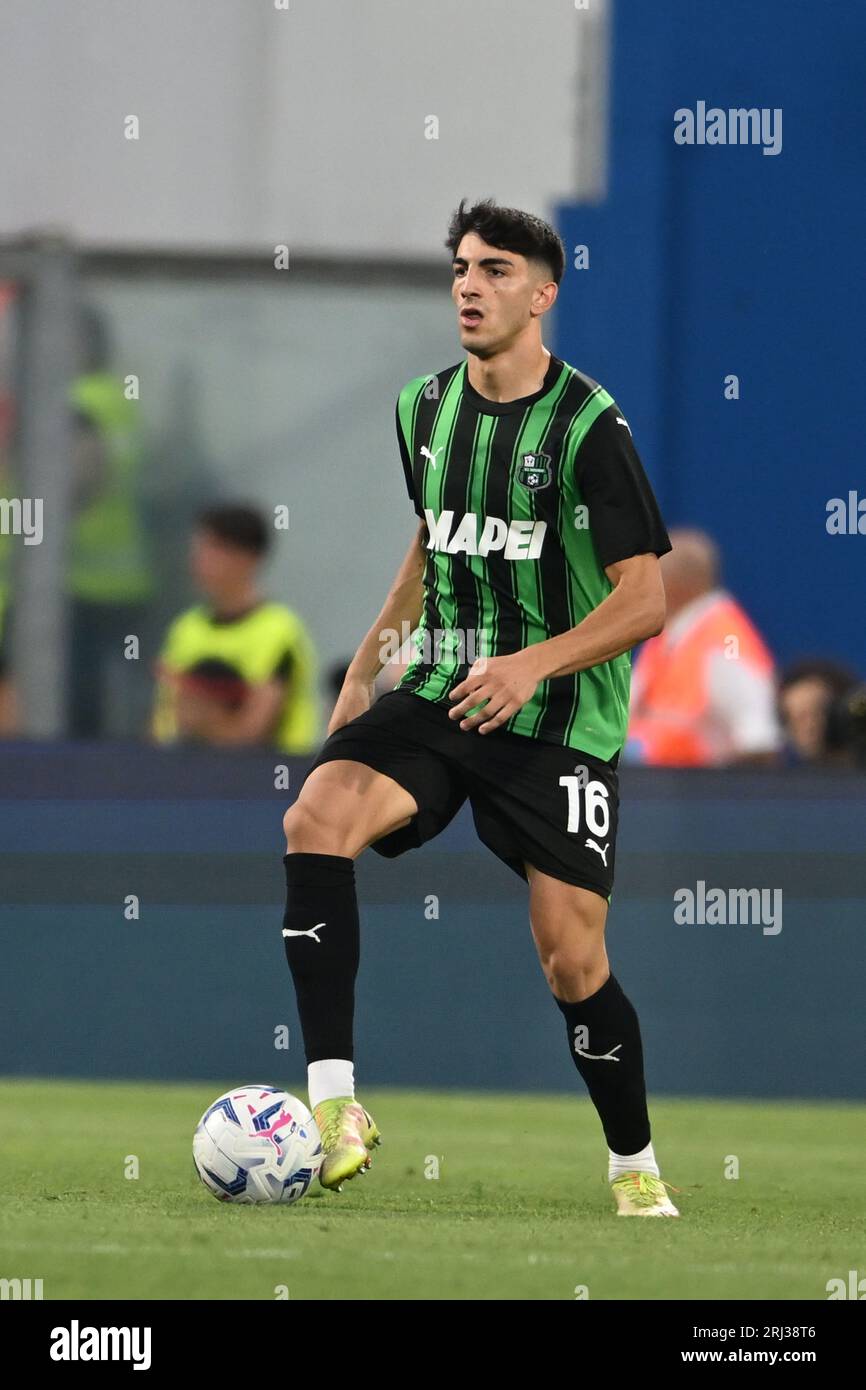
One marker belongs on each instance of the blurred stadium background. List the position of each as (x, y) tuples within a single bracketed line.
[(154, 160)]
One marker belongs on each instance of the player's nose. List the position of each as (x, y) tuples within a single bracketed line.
[(467, 286)]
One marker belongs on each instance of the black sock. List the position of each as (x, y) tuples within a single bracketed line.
[(321, 907), (610, 1032)]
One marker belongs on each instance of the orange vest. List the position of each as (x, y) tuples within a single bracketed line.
[(672, 719)]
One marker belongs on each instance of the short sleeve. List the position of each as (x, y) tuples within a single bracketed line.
[(407, 462), (624, 517)]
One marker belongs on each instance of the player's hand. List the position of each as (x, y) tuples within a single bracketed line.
[(503, 683), (355, 698)]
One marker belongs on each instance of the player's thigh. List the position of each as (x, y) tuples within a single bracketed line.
[(343, 807), (563, 913), (568, 924)]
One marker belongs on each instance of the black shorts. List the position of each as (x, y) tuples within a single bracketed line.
[(535, 803)]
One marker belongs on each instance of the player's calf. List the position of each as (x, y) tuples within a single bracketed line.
[(342, 807)]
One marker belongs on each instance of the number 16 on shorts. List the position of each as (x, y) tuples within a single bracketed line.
[(591, 810), (592, 816)]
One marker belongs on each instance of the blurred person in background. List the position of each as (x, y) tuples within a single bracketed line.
[(9, 714), (703, 692), (237, 670), (110, 581), (812, 693), (846, 730)]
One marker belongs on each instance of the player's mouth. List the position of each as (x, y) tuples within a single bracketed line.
[(470, 317)]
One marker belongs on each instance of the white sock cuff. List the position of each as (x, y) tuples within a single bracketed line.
[(332, 1077), (644, 1162)]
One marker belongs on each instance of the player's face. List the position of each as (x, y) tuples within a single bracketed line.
[(497, 294)]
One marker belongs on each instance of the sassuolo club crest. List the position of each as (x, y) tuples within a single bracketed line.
[(535, 471)]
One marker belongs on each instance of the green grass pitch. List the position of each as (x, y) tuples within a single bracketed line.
[(520, 1209)]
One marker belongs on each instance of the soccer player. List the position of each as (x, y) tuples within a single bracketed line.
[(533, 573)]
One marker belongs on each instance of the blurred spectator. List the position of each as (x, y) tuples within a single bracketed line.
[(809, 692), (703, 693), (237, 670), (9, 722), (9, 716), (846, 729), (108, 580), (109, 577)]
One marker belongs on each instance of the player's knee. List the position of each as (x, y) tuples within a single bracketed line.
[(302, 827), (309, 830), (289, 821), (572, 969)]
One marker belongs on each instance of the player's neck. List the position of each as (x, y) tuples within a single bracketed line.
[(510, 375)]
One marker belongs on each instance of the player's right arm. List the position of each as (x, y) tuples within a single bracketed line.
[(404, 604)]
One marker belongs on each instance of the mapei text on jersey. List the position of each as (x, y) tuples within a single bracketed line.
[(518, 540)]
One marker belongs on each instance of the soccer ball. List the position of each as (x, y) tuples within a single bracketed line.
[(257, 1144)]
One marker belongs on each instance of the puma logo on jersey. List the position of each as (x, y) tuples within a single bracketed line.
[(621, 421), (590, 844), (311, 931), (432, 457), (518, 540)]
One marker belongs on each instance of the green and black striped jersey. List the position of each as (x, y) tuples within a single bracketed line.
[(526, 502)]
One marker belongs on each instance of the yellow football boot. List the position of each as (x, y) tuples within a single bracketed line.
[(348, 1133)]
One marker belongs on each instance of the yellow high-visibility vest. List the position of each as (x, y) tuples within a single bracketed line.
[(107, 549), (253, 646)]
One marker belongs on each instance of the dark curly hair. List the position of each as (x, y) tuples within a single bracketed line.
[(508, 229)]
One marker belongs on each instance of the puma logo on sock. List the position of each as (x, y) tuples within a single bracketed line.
[(311, 931)]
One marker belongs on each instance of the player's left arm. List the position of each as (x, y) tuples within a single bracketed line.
[(629, 536)]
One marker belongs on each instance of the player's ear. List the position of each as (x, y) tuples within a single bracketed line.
[(544, 296)]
